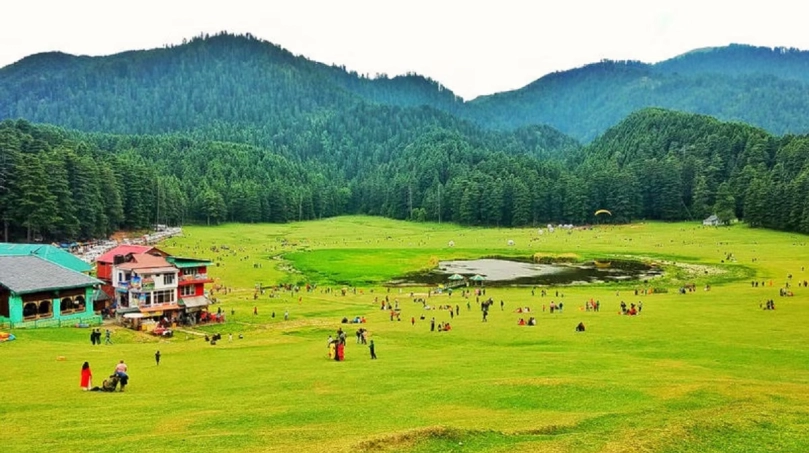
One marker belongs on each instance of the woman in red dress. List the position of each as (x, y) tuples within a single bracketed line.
[(86, 376)]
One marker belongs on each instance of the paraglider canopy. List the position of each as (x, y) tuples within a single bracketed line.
[(602, 211)]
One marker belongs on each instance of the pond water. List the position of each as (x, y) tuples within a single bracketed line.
[(503, 272)]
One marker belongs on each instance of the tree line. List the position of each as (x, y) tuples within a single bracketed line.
[(656, 165)]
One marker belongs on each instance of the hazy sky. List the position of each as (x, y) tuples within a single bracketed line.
[(472, 47)]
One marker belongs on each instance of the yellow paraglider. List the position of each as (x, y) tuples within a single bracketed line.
[(602, 211)]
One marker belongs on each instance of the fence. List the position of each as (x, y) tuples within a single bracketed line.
[(40, 323)]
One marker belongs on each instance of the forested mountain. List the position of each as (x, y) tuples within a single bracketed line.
[(242, 89), (57, 184), (741, 60), (765, 87), (231, 128), (656, 164), (222, 87)]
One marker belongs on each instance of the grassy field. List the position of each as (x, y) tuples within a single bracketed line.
[(708, 371)]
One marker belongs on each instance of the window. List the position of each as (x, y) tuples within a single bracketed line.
[(164, 297), (5, 309), (168, 279), (67, 305), (29, 310), (45, 309), (144, 299), (189, 290)]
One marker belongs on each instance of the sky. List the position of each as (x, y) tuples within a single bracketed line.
[(472, 47)]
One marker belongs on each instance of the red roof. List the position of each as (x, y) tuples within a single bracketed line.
[(144, 261), (123, 250)]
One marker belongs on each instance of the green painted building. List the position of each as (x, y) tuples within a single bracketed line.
[(35, 292)]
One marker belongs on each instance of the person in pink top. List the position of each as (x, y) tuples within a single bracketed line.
[(121, 372)]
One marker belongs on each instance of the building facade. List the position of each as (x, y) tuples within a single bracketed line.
[(35, 292)]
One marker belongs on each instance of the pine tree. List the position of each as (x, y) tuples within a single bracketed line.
[(725, 206)]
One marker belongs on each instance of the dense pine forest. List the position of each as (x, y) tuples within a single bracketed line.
[(231, 128)]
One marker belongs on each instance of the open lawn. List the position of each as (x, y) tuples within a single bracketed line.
[(708, 371)]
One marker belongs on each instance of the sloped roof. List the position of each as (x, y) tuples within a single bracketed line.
[(182, 262), (46, 252), (145, 261), (195, 301), (30, 274), (122, 250), (155, 270)]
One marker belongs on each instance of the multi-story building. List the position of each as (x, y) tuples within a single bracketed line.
[(147, 284), (193, 275)]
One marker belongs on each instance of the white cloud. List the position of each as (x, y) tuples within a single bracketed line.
[(472, 47)]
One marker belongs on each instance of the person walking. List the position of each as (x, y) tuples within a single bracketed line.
[(123, 375), (372, 349), (107, 336), (86, 377), (157, 358), (341, 348), (93, 337), (432, 325)]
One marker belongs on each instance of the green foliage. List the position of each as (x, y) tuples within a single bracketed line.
[(757, 85), (702, 372), (655, 165), (233, 129)]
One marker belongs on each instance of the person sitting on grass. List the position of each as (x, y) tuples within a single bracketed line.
[(108, 385), (521, 322), (532, 321), (580, 327)]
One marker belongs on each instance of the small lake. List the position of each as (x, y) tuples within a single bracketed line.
[(503, 272)]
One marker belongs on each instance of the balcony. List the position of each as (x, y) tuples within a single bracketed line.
[(194, 279), (123, 286)]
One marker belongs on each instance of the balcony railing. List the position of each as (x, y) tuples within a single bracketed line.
[(194, 278)]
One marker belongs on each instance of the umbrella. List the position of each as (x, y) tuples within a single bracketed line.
[(477, 278), (456, 277)]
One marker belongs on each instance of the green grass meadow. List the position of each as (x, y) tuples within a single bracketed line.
[(708, 371)]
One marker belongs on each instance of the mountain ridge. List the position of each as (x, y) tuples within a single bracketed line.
[(241, 80)]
